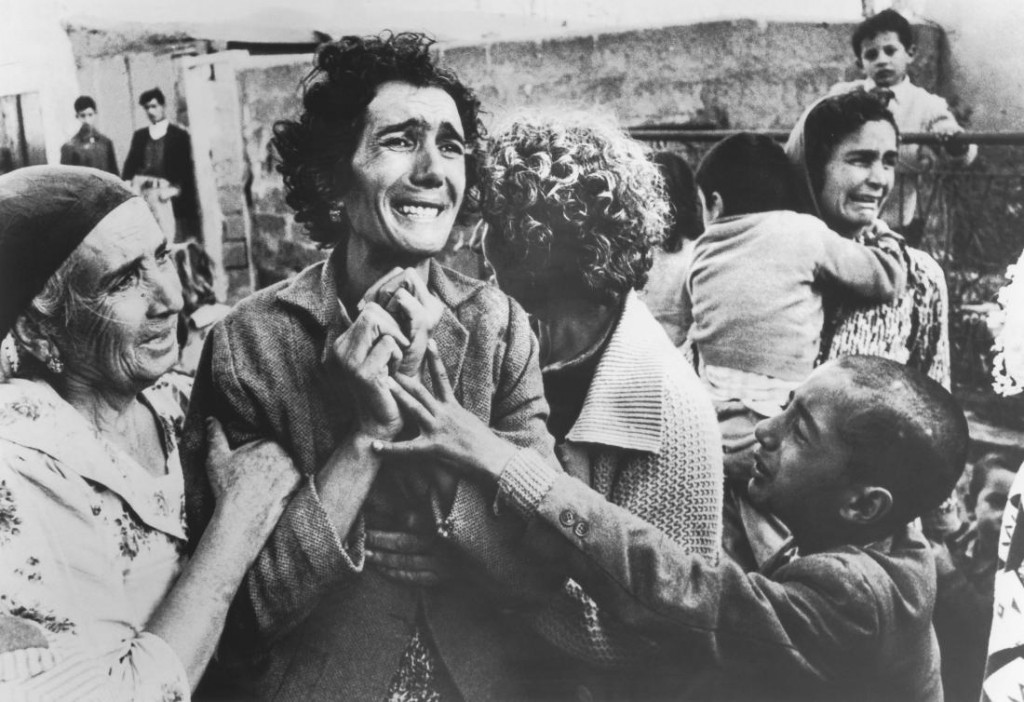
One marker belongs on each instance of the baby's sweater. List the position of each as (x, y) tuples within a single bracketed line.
[(754, 291)]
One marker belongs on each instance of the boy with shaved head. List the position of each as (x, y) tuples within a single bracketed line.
[(843, 611)]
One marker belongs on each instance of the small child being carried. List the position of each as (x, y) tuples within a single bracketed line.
[(753, 301)]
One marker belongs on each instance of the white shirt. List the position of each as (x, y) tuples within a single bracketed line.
[(158, 130)]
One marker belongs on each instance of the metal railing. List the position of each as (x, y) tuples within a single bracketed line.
[(973, 221)]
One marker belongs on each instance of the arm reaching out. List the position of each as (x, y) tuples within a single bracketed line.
[(252, 484)]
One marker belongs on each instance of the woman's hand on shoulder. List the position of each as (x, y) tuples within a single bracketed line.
[(255, 479)]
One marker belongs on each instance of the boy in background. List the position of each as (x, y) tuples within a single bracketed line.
[(884, 46), (752, 305), (88, 147)]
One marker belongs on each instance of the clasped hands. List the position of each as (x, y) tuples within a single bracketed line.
[(380, 359), (396, 319)]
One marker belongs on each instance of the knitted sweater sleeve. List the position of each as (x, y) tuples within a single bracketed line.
[(873, 272), (677, 490)]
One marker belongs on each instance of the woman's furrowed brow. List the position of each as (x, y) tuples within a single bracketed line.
[(446, 129)]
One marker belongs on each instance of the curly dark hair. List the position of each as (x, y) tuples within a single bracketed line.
[(574, 184), (316, 151), (832, 120)]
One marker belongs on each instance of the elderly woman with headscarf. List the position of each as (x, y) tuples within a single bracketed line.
[(96, 597)]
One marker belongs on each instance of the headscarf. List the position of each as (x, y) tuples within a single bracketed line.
[(45, 213), (796, 149)]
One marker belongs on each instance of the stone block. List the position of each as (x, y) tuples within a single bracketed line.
[(239, 285), (235, 255), (234, 228)]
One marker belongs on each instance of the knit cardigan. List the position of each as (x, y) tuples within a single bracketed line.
[(647, 440)]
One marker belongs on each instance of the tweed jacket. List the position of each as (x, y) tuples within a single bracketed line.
[(178, 165), (309, 622), (850, 623)]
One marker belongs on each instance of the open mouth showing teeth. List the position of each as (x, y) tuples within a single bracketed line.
[(421, 212)]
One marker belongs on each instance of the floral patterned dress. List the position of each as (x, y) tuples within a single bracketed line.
[(90, 543)]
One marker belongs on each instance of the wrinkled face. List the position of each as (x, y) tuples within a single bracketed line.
[(858, 177), (991, 502), (800, 468), (87, 117), (885, 59), (126, 337), (408, 171), (154, 111)]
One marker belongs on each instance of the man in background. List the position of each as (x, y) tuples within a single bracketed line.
[(88, 147), (159, 166)]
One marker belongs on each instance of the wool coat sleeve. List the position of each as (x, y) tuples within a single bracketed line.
[(519, 415), (807, 625), (873, 272), (677, 490), (304, 556)]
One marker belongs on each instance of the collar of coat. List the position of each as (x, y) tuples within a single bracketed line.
[(624, 406), (314, 291)]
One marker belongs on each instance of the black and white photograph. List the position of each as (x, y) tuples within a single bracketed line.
[(511, 351)]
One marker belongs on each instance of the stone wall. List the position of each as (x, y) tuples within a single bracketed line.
[(742, 74)]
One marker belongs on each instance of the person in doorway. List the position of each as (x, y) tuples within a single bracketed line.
[(88, 147), (159, 166)]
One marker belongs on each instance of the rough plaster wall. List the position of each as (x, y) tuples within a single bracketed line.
[(987, 63), (741, 74), (279, 244)]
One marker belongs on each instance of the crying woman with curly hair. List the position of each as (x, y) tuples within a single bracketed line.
[(572, 208)]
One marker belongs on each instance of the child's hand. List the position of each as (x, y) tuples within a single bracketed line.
[(946, 132), (449, 433)]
